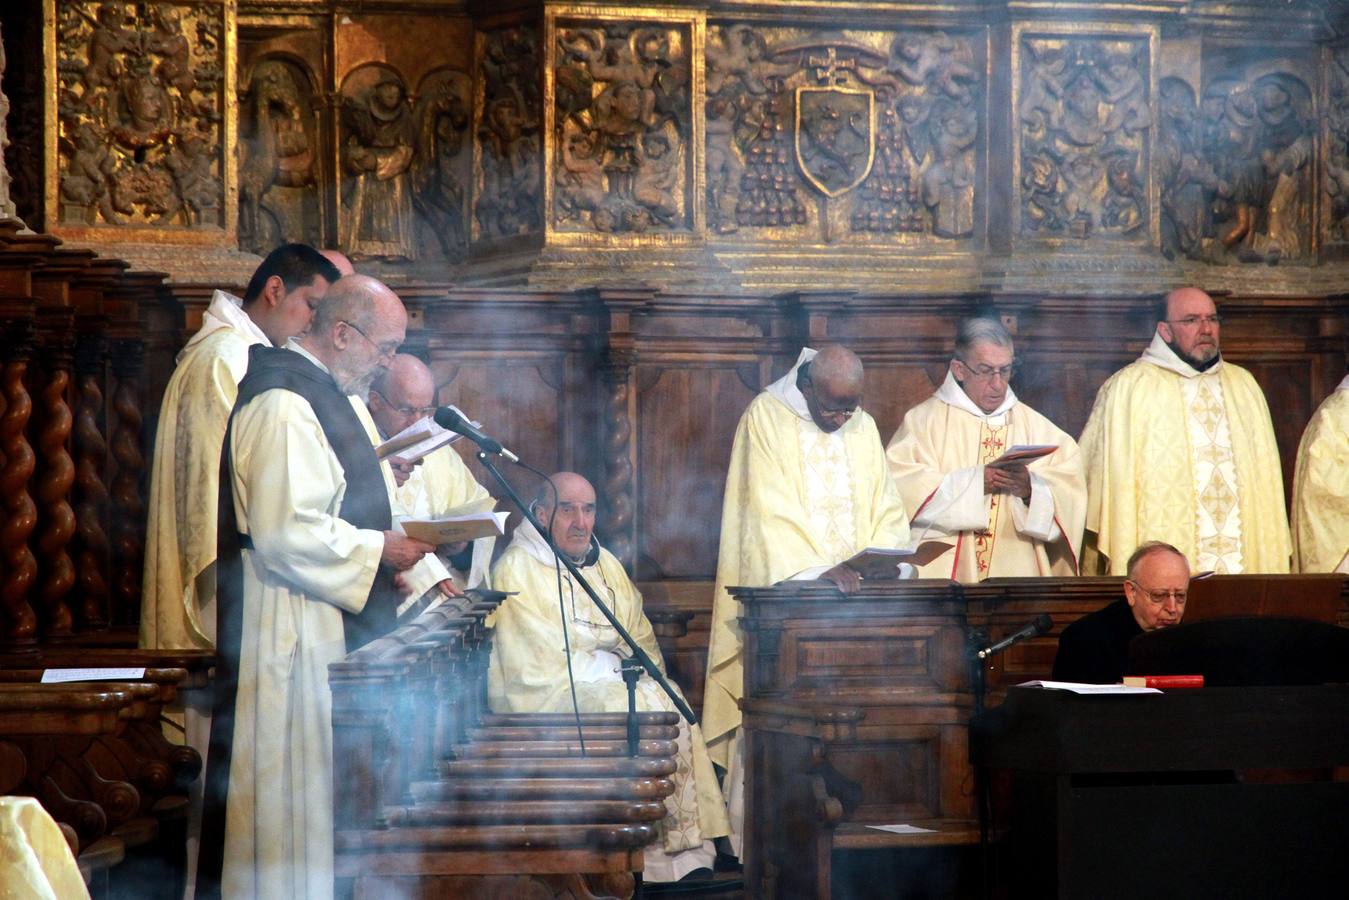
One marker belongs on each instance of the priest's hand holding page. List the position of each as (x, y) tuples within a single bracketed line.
[(401, 468), (402, 552), (1014, 480), (843, 577)]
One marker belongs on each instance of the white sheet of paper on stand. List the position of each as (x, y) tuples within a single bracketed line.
[(61, 676), (903, 829), (1077, 688)]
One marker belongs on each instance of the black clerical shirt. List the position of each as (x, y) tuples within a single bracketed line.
[(1095, 648)]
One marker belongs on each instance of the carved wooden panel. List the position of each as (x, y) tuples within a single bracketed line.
[(1083, 103), (280, 155), (143, 140), (508, 118), (858, 137), (623, 126), (687, 417)]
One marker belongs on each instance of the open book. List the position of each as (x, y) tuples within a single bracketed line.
[(419, 439), (463, 523), (878, 563), (1021, 454)]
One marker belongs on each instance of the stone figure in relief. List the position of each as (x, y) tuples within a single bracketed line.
[(377, 202)]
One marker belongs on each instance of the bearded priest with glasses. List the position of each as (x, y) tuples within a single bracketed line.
[(1179, 447), (1008, 517)]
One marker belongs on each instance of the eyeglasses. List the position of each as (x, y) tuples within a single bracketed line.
[(417, 411), (987, 373), (846, 412), (1160, 597), (386, 349), (1194, 321)]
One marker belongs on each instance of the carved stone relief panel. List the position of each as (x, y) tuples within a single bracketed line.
[(279, 150), (622, 127), (1336, 184), (1256, 130), (443, 163), (23, 79), (509, 118), (140, 106), (404, 165), (846, 137), (378, 145), (1083, 123)]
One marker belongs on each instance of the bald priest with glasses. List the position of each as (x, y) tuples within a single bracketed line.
[(1179, 447), (1095, 648), (975, 464)]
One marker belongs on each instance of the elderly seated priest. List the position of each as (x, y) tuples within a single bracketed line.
[(1015, 520), (528, 668), (1095, 648)]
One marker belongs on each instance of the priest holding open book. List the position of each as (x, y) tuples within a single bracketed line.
[(806, 491), (435, 482), (975, 464)]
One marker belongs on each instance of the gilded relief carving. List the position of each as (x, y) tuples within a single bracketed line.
[(1083, 116), (278, 158), (1258, 138), (877, 131), (1189, 182), (140, 114), (379, 142), (1236, 169), (1337, 148), (441, 168), (621, 128), (404, 164), (510, 114), (6, 204)]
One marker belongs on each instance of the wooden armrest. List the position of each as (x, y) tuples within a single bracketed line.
[(667, 622)]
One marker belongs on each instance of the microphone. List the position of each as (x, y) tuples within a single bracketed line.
[(1039, 626), (450, 418)]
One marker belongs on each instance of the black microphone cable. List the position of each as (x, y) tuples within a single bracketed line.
[(561, 608)]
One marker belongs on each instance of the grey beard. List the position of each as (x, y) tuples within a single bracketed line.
[(360, 386), (1196, 364)]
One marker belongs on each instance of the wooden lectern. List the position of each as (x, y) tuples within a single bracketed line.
[(856, 708)]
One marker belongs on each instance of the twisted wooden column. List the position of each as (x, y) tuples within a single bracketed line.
[(618, 470), (128, 518), (18, 622), (91, 494), (56, 474)]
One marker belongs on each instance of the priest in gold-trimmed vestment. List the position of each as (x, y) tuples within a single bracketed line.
[(807, 488), (1017, 521), (528, 671), (1180, 448), (1321, 488)]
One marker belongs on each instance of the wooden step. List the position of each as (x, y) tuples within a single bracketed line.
[(560, 749), (526, 812), (498, 837), (476, 789), (579, 767)]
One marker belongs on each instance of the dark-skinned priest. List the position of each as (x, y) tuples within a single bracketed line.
[(307, 560), (806, 490), (528, 671)]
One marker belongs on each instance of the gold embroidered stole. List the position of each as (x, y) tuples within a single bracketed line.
[(992, 444)]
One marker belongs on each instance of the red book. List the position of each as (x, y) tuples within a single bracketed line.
[(1165, 681)]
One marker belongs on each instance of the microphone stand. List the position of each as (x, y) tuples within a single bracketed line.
[(637, 652)]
